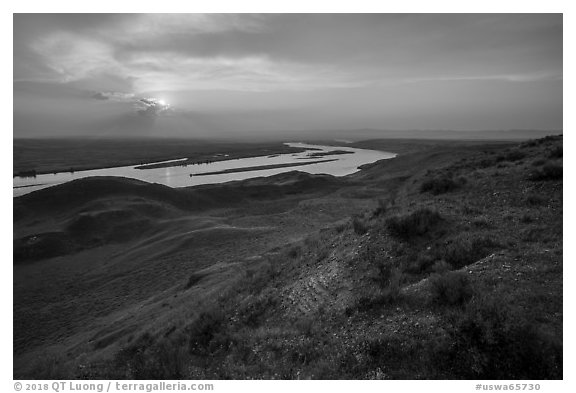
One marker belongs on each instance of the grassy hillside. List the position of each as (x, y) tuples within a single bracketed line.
[(445, 262)]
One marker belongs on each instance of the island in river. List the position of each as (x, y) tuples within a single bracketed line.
[(259, 168)]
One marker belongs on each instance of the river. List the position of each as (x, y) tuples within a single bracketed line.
[(180, 176)]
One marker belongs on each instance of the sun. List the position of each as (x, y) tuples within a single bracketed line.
[(162, 102)]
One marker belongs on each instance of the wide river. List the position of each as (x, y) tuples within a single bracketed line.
[(179, 176)]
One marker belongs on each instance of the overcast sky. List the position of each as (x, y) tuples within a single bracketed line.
[(224, 75)]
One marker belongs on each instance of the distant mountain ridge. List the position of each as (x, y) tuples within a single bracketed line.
[(369, 133), (353, 135)]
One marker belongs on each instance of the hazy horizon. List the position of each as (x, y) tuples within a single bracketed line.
[(259, 76)]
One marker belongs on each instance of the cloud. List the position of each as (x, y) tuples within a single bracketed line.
[(114, 96), (152, 107), (332, 69), (514, 78), (145, 106), (100, 96), (299, 52)]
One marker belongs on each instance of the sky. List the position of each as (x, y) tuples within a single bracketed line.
[(234, 75)]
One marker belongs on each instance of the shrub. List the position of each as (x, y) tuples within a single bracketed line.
[(526, 219), (370, 253), (294, 252), (193, 280), (485, 163), (441, 185), (50, 366), (413, 225), (419, 263), (493, 340), (322, 252), (42, 246), (203, 330), (441, 266), (546, 139), (305, 325), (359, 225), (535, 235), (462, 250), (389, 278), (481, 223), (546, 173), (254, 312), (381, 208), (556, 152), (466, 209), (531, 143), (451, 288), (513, 155), (131, 362), (341, 227), (535, 200)]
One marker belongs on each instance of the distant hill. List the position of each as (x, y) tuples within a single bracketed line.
[(366, 133)]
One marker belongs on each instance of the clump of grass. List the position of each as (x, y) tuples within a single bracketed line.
[(536, 234), (319, 246), (341, 227), (450, 288), (491, 339), (305, 325), (254, 312), (389, 279), (359, 225), (131, 362), (419, 263), (381, 209), (535, 200), (322, 253), (442, 184), (540, 141), (463, 250), (546, 173), (441, 266), (513, 155), (193, 280), (556, 153), (485, 163), (377, 298), (205, 328), (294, 252), (466, 209), (539, 162), (481, 223), (526, 219), (370, 254), (50, 366), (415, 224)]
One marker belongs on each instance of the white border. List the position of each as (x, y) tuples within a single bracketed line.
[(230, 6)]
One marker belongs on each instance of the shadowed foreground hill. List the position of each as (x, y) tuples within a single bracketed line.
[(442, 263)]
